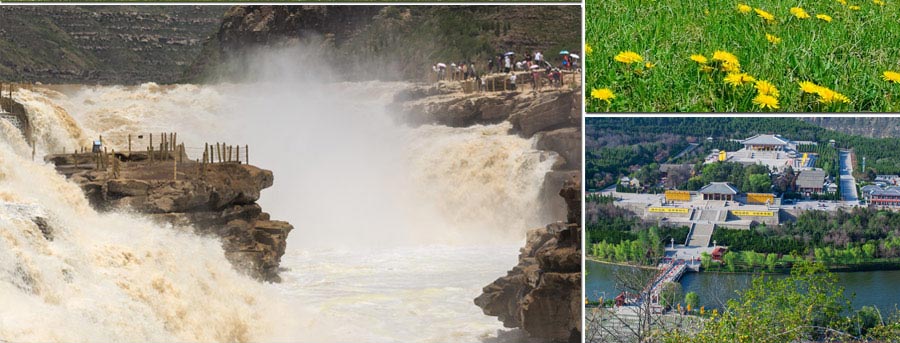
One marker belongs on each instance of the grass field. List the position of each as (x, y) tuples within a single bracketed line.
[(850, 60)]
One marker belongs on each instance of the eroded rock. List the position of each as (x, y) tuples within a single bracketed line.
[(219, 202), (542, 293)]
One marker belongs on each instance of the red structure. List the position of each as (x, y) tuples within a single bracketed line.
[(620, 299), (717, 254)]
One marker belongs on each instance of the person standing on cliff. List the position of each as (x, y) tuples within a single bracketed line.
[(507, 64), (490, 66)]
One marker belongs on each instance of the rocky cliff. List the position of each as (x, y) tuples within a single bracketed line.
[(102, 44), (542, 294), (875, 127), (386, 42), (218, 200)]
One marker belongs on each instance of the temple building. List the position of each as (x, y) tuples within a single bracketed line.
[(718, 191), (766, 143), (811, 181), (878, 196)]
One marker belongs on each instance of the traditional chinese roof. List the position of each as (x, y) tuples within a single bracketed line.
[(719, 188), (814, 178), (765, 140)]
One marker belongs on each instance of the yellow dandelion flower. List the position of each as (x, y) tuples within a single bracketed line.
[(878, 2), (765, 15), (842, 2), (824, 17), (587, 49), (799, 12), (649, 65), (706, 69), (604, 94), (828, 96), (766, 101), (809, 87), (699, 59), (891, 76), (744, 8), (729, 61), (738, 79), (853, 8), (764, 87), (773, 39), (629, 57)]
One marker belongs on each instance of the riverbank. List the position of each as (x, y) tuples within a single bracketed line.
[(620, 264), (872, 288)]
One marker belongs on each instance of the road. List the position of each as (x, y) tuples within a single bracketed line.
[(848, 184)]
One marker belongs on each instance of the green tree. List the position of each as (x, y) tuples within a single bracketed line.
[(759, 183), (692, 299), (671, 294), (729, 258), (705, 259), (776, 310), (771, 259)]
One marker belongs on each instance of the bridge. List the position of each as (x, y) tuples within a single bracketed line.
[(668, 272)]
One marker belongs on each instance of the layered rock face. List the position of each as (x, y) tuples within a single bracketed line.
[(220, 201), (542, 294), (102, 44), (384, 42)]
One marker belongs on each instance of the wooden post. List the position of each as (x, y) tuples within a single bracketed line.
[(247, 154), (219, 152), (174, 170), (129, 144), (237, 155), (175, 138), (115, 165), (151, 145), (229, 152)]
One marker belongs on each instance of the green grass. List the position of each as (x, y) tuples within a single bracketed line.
[(847, 55)]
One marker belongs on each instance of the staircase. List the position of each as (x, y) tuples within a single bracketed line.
[(701, 234)]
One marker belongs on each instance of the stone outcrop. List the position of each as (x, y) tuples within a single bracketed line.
[(542, 294), (220, 201)]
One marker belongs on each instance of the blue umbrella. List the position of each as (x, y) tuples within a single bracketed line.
[(564, 52)]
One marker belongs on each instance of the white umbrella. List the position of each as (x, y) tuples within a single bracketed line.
[(575, 56), (441, 65), (535, 66), (509, 53)]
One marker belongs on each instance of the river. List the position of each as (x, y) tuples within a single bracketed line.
[(397, 228), (873, 288)]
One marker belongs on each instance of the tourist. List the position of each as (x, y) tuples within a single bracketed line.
[(512, 81), (507, 64), (490, 66)]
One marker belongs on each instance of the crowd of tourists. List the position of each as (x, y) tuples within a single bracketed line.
[(509, 63)]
